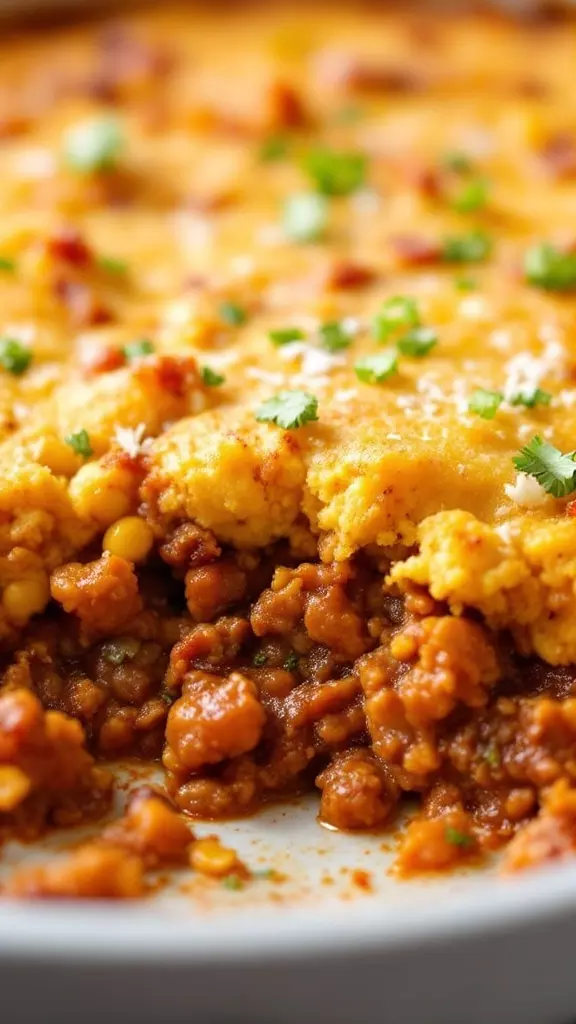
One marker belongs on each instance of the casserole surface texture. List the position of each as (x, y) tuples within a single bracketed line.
[(287, 419)]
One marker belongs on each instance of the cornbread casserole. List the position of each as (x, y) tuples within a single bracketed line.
[(288, 411)]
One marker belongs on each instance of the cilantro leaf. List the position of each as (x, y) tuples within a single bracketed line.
[(472, 196), (397, 312), (285, 335), (291, 662), (14, 356), (485, 403), (374, 369), (530, 397), (548, 267), (418, 342), (80, 443), (555, 472), (289, 409), (457, 161), (211, 378), (336, 173), (275, 147), (471, 248), (93, 146), (7, 265), (137, 349), (334, 336), (112, 265), (457, 838), (305, 217)]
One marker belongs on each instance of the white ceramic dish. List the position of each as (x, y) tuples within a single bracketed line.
[(464, 949)]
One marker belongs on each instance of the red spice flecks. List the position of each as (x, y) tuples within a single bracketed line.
[(68, 245), (347, 275), (102, 360), (284, 107), (571, 508), (415, 250), (174, 374)]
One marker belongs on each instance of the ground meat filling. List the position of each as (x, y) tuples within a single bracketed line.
[(249, 692)]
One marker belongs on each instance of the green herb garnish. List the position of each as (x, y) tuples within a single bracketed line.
[(112, 265), (548, 267), (473, 196), (14, 356), (334, 336), (259, 659), (210, 378), (485, 403), (94, 146), (465, 284), (471, 248), (273, 148), (375, 369), (492, 757), (396, 313), (291, 663), (289, 409), (457, 838), (80, 443), (335, 173), (137, 349), (530, 397), (284, 335), (7, 265), (418, 342), (553, 470), (305, 217), (232, 314)]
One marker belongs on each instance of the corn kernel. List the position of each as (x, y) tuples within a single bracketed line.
[(211, 858), (102, 493), (23, 598), (14, 787), (130, 538)]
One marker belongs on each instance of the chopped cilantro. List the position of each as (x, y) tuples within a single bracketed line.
[(233, 882), (472, 196), (530, 397), (232, 314), (305, 217), (7, 265), (275, 147), (210, 378), (548, 267), (335, 173), (464, 284), (121, 650), (167, 697), (398, 312), (289, 409), (471, 248), (418, 342), (554, 471), (334, 336), (137, 349), (457, 161), (291, 663), (259, 659), (93, 146), (80, 443), (112, 265), (14, 356), (485, 403), (375, 369), (284, 335), (457, 838)]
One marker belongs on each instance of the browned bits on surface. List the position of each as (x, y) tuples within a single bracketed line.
[(346, 274), (216, 718), (81, 302), (558, 155), (284, 107), (356, 791), (174, 374), (353, 72), (127, 65), (95, 871), (551, 836), (103, 594)]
